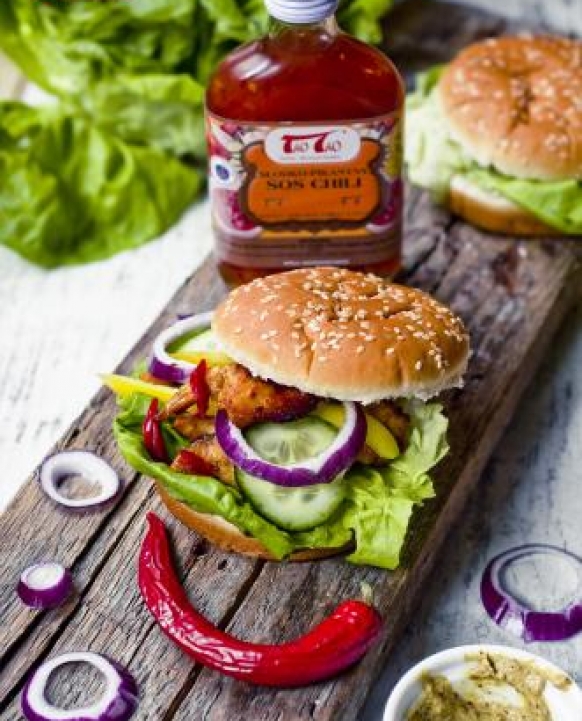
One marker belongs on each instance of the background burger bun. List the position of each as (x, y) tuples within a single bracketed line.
[(227, 537), (343, 335), (493, 212), (513, 103)]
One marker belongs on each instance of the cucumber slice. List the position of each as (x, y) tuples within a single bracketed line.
[(294, 509), (197, 341)]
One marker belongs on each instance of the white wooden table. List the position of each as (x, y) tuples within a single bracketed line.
[(60, 329)]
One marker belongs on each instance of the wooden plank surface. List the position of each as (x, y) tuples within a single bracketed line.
[(512, 296)]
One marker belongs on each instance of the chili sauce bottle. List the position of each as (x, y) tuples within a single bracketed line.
[(304, 132)]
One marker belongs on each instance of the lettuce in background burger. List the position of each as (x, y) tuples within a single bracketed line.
[(311, 433), (497, 135)]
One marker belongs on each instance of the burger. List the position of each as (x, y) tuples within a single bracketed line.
[(497, 135), (294, 422)]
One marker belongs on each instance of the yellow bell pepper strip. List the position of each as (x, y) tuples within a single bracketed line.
[(212, 357), (378, 437), (124, 386)]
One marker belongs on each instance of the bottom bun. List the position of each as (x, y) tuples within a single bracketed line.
[(227, 537), (492, 212)]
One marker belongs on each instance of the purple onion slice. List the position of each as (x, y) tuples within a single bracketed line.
[(322, 468), (79, 463), (162, 365), (118, 702), (45, 585), (512, 613)]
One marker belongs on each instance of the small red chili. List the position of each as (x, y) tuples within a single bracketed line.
[(152, 434), (200, 388), (188, 461), (332, 646)]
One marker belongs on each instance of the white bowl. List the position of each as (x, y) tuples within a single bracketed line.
[(565, 705)]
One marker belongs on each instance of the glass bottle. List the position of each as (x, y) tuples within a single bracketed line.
[(304, 132)]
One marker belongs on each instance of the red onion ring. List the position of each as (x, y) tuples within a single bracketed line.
[(81, 463), (323, 468), (513, 615), (161, 364), (45, 585), (118, 703)]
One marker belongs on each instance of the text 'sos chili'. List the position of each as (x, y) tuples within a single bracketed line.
[(329, 648), (152, 434), (200, 388)]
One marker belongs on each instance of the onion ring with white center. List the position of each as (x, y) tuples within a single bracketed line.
[(79, 463), (118, 703), (45, 585), (323, 468), (161, 364), (514, 615)]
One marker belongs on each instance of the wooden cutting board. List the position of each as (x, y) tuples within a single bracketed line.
[(512, 295)]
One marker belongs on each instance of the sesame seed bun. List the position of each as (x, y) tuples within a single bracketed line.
[(493, 212), (513, 103), (227, 537), (343, 335)]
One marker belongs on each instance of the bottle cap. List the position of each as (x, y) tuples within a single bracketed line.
[(301, 12)]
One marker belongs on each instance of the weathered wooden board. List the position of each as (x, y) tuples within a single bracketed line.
[(512, 295)]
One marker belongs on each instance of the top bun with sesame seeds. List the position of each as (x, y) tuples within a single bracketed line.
[(513, 103), (343, 335)]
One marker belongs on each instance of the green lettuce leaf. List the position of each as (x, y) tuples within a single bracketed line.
[(378, 506), (362, 18), (90, 193), (163, 111), (66, 47), (558, 203), (380, 501), (433, 158)]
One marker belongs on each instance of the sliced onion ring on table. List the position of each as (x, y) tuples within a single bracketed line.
[(45, 585), (514, 615), (118, 703), (162, 365), (79, 463), (322, 468)]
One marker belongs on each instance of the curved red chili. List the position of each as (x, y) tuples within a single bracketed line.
[(152, 434), (200, 388), (332, 646)]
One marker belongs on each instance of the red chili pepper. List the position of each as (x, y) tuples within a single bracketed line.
[(329, 648), (200, 388), (188, 461), (152, 434)]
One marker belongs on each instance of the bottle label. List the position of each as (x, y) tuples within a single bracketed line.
[(299, 194)]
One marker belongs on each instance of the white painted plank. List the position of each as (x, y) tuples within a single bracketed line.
[(59, 329)]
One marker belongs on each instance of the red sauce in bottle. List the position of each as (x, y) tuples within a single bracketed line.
[(304, 134)]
